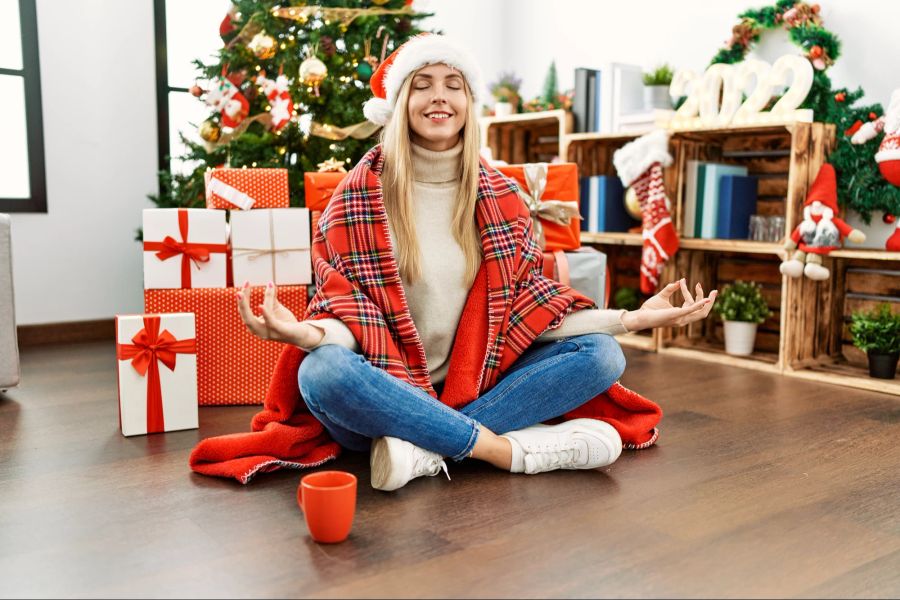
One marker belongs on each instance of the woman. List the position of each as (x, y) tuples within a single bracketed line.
[(382, 327)]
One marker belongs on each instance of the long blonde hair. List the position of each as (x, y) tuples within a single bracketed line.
[(397, 185)]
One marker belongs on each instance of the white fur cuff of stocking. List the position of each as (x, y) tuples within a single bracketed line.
[(634, 158)]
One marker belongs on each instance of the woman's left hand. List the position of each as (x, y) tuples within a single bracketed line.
[(659, 311)]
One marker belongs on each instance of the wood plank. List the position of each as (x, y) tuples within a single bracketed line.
[(876, 283), (66, 333)]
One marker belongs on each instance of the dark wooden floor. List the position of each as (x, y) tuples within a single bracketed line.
[(761, 486)]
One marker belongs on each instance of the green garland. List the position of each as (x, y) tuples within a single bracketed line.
[(860, 184)]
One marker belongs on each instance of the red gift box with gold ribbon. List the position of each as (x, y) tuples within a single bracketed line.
[(318, 188), (550, 190), (157, 373), (233, 365), (243, 189)]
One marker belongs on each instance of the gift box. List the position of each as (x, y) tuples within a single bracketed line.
[(233, 365), (551, 193), (184, 248), (157, 373), (247, 188), (318, 188), (271, 245), (583, 270)]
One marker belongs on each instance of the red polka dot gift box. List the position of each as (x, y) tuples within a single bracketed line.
[(233, 365), (243, 189)]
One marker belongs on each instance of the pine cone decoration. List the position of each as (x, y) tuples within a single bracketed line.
[(326, 44)]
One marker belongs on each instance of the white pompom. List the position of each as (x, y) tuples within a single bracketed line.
[(377, 110)]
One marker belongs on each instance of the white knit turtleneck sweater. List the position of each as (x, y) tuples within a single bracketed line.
[(437, 299)]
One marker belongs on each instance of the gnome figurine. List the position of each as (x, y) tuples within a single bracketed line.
[(820, 231)]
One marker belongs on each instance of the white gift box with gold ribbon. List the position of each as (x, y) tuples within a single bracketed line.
[(271, 245)]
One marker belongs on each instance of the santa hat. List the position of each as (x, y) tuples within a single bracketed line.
[(824, 188), (417, 52)]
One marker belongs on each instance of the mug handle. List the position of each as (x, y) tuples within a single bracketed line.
[(300, 497)]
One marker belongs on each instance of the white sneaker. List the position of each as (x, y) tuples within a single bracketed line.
[(575, 444), (394, 462)]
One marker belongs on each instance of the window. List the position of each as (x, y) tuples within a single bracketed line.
[(23, 185), (185, 31)]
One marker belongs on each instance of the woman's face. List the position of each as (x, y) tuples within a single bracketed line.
[(437, 107)]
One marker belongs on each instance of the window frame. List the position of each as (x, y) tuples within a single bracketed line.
[(34, 124)]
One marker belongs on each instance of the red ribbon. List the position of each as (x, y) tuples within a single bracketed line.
[(189, 251), (149, 347)]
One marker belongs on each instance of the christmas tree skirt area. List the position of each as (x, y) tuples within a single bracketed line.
[(754, 473)]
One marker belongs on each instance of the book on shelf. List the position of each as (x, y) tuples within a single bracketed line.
[(702, 196), (605, 94), (602, 204), (737, 201)]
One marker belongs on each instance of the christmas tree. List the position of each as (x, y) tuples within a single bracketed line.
[(287, 89)]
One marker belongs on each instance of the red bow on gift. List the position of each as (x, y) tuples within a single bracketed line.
[(189, 251), (149, 347)]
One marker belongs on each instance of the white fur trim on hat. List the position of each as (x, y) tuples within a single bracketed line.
[(377, 110), (426, 50), (632, 159)]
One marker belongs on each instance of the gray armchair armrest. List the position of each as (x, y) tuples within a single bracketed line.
[(9, 347)]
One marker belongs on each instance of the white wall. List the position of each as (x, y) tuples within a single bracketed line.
[(78, 261)]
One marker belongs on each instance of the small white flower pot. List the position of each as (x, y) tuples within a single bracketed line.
[(657, 96), (740, 337), (503, 109)]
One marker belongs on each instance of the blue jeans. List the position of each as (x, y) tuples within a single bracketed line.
[(357, 401)]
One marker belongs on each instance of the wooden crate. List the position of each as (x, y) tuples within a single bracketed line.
[(819, 345), (526, 137), (715, 270)]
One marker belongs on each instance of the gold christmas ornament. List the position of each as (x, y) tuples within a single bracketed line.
[(344, 16), (262, 45), (209, 131), (313, 72), (632, 204)]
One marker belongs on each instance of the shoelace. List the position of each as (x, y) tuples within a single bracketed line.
[(544, 456), (426, 462)]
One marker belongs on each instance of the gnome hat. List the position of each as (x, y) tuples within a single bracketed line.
[(824, 188), (417, 52)]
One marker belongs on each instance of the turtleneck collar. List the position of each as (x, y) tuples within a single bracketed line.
[(442, 166)]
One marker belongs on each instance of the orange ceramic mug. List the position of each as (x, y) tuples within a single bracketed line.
[(328, 501)]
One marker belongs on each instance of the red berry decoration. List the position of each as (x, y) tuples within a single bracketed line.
[(840, 97), (872, 116), (196, 91), (888, 218), (815, 52)]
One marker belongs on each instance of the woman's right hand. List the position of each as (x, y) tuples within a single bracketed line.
[(276, 323)]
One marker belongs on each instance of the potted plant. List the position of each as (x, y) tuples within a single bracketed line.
[(656, 88), (505, 91), (742, 309), (878, 334)]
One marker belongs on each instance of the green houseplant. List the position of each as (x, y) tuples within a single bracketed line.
[(656, 88), (742, 308), (505, 90), (877, 332)]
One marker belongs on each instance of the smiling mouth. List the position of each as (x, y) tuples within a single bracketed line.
[(438, 116)]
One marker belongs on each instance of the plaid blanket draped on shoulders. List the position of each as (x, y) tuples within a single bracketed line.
[(358, 282)]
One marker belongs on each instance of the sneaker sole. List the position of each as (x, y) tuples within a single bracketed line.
[(381, 466), (600, 430)]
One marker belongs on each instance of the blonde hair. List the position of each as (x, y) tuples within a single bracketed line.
[(397, 186)]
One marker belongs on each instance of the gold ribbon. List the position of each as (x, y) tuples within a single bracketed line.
[(358, 131), (560, 212), (344, 15), (271, 251)]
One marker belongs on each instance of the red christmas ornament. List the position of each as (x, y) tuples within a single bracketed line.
[(840, 97), (196, 91), (872, 116), (815, 52), (888, 218)]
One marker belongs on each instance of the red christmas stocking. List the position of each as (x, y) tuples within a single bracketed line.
[(279, 97), (639, 164)]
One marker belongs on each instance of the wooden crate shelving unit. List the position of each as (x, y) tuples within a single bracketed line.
[(526, 137), (807, 335)]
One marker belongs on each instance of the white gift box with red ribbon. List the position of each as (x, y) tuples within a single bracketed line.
[(271, 244), (184, 248), (157, 373)]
